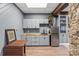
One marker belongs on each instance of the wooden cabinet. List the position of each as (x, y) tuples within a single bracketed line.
[(16, 48), (13, 51)]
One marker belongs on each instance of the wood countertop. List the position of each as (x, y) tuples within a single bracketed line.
[(34, 34), (18, 43)]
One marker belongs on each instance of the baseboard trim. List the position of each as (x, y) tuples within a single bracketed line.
[(64, 44), (0, 54)]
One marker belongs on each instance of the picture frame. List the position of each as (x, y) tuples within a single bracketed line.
[(10, 35)]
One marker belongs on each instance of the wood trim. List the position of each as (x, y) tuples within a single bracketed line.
[(59, 8), (63, 13)]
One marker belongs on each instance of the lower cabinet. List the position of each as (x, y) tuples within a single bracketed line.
[(44, 41), (35, 41), (41, 40), (29, 41)]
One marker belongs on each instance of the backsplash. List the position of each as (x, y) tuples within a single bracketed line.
[(31, 30)]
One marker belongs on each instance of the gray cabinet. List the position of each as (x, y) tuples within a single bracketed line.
[(29, 41), (35, 41), (30, 23), (44, 40)]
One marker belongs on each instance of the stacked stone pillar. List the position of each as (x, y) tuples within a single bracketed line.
[(74, 29)]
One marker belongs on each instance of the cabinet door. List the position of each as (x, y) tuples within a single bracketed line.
[(32, 24), (29, 41), (44, 40), (35, 41)]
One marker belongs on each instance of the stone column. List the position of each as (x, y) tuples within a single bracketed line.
[(74, 29)]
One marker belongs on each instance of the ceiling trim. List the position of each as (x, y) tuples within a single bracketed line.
[(23, 7), (36, 13), (18, 8)]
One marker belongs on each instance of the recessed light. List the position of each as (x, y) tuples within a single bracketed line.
[(36, 5)]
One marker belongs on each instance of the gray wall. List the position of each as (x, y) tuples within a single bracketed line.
[(10, 17), (36, 16)]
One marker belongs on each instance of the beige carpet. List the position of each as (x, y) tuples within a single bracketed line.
[(47, 51)]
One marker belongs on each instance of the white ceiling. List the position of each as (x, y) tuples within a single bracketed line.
[(50, 7)]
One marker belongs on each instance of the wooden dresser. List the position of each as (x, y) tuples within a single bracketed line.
[(16, 48)]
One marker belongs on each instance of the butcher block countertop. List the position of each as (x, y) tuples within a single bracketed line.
[(34, 34)]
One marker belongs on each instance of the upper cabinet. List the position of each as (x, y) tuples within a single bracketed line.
[(33, 23), (43, 20), (30, 23)]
